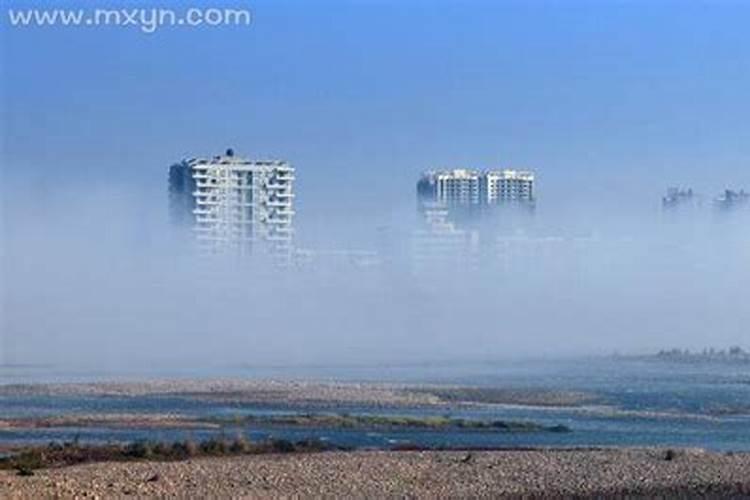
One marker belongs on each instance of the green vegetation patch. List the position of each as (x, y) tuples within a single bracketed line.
[(61, 455), (348, 421)]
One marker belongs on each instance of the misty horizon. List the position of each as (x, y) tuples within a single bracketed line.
[(99, 279), (609, 106)]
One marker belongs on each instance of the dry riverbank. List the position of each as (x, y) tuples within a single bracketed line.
[(376, 474), (301, 393)]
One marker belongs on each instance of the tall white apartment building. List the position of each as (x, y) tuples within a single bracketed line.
[(453, 187), (462, 188), (240, 205), (508, 186)]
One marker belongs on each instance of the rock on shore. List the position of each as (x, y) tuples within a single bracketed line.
[(378, 474)]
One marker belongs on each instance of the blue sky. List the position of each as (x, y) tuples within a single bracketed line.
[(605, 100)]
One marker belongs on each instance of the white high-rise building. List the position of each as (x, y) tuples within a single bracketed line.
[(508, 186), (242, 205), (472, 188), (454, 187)]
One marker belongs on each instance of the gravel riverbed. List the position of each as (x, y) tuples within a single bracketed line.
[(383, 474)]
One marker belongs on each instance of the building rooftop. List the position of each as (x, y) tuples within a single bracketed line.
[(229, 158), (464, 173)]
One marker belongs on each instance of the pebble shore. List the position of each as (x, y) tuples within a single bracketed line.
[(605, 473), (246, 391), (300, 393)]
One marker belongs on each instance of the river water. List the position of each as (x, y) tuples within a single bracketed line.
[(635, 403)]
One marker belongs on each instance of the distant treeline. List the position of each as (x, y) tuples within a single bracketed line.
[(733, 354), (27, 460)]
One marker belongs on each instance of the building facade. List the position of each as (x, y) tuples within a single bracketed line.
[(472, 188), (459, 187), (235, 204), (500, 187)]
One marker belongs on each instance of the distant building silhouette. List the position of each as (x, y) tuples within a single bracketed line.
[(677, 198), (439, 246), (454, 205), (731, 200)]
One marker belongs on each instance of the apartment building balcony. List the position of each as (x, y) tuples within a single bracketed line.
[(282, 229), (279, 217), (207, 202), (279, 185), (224, 239), (228, 235), (278, 203), (275, 237)]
